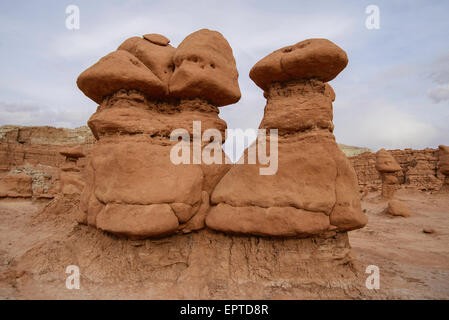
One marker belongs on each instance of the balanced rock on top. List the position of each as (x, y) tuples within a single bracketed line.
[(133, 188), (314, 189)]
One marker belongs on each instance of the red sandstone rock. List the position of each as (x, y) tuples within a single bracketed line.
[(444, 159), (309, 59), (119, 70), (16, 185), (132, 186), (443, 153), (420, 169), (387, 165), (157, 58), (314, 189), (73, 152), (397, 208), (385, 162), (157, 39), (205, 68)]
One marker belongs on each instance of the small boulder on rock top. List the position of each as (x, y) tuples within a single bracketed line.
[(156, 38)]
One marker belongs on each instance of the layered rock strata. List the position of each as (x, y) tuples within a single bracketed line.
[(314, 190), (147, 89)]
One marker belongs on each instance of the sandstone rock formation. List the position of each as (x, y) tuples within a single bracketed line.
[(387, 166), (146, 90), (397, 208), (314, 190), (419, 169), (71, 181), (443, 153), (16, 185)]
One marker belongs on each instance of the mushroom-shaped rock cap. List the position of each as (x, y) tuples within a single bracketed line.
[(443, 154), (156, 38), (385, 162), (158, 58), (73, 152), (309, 59), (205, 68), (119, 70)]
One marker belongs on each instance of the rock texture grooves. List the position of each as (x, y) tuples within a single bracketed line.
[(315, 189), (147, 89)]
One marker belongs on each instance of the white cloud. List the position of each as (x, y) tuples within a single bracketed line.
[(32, 114), (385, 126), (439, 93)]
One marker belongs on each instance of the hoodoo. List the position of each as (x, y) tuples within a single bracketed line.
[(314, 190), (146, 89), (387, 167)]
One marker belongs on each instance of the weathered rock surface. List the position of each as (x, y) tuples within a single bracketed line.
[(156, 38), (397, 208), (387, 166), (71, 180), (133, 188), (205, 68), (119, 70), (314, 189), (16, 185), (158, 58), (35, 152), (309, 59), (419, 169), (199, 265)]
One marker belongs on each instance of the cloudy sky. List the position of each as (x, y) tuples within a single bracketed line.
[(394, 92)]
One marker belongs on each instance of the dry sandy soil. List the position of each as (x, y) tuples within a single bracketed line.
[(413, 264)]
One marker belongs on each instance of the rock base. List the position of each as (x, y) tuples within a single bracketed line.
[(200, 265)]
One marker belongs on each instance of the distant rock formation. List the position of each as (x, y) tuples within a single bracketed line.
[(419, 169), (315, 189), (147, 89), (443, 154), (16, 185), (34, 151), (387, 166), (71, 179)]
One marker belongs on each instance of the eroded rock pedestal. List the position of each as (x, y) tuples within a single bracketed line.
[(314, 190), (198, 265)]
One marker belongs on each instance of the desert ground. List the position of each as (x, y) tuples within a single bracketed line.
[(413, 264)]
